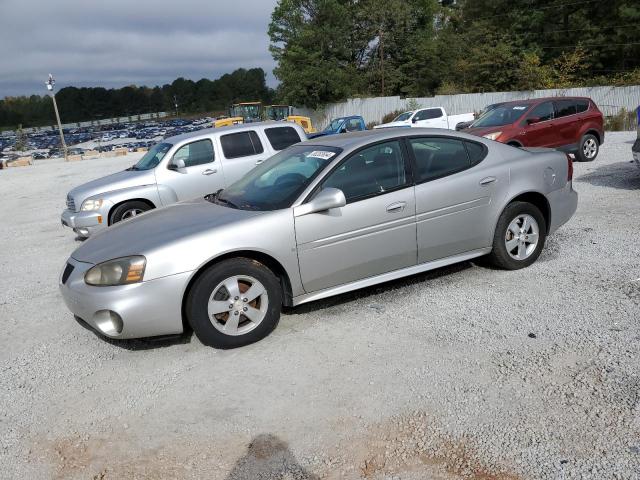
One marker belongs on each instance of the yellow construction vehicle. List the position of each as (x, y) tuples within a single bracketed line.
[(244, 112), (304, 122), (277, 112)]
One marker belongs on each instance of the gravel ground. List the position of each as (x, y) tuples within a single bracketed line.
[(462, 373)]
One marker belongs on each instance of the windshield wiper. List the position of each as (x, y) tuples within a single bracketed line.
[(222, 201), (132, 167)]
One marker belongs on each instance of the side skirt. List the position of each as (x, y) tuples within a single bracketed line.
[(386, 277)]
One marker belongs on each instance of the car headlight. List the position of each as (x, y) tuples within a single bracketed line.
[(89, 205), (121, 271), (492, 136)]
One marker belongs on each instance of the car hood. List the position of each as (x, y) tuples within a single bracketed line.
[(158, 228), (480, 131), (394, 124), (115, 181)]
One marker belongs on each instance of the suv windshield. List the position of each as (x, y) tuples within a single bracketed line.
[(501, 115), (402, 117), (152, 158), (276, 183)]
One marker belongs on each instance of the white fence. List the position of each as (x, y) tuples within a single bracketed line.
[(610, 100)]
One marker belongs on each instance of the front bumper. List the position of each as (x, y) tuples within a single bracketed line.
[(563, 203), (147, 309), (85, 223)]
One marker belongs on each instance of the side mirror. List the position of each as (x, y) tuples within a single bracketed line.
[(325, 200), (531, 120), (177, 164), (414, 120)]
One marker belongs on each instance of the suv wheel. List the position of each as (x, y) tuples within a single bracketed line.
[(589, 147), (519, 236), (234, 303)]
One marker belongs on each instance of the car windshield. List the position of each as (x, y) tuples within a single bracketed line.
[(402, 117), (501, 115), (152, 158), (279, 181), (333, 126)]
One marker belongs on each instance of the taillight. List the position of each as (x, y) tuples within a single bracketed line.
[(569, 168)]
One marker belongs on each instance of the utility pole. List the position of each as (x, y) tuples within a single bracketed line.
[(50, 84), (175, 103)]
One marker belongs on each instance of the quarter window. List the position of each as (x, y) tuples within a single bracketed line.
[(438, 157), (195, 153), (476, 152), (282, 137), (242, 144), (565, 108), (371, 171), (582, 105)]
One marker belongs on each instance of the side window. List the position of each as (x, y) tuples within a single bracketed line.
[(582, 105), (438, 157), (353, 125), (371, 171), (476, 152), (281, 137), (565, 108), (195, 153), (428, 114), (242, 144), (544, 112)]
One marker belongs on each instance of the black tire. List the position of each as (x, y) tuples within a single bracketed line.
[(499, 255), (125, 208), (196, 307), (591, 140)]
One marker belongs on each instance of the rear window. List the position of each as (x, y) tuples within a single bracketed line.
[(282, 137), (242, 144), (582, 105), (565, 108)]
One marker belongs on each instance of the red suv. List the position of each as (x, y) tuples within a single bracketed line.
[(571, 124)]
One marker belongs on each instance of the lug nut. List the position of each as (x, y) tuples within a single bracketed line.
[(245, 309), (231, 306), (244, 299), (236, 298), (236, 312)]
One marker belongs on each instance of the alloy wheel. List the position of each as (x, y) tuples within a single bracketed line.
[(521, 238), (590, 148)]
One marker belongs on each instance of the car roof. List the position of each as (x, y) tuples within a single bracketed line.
[(530, 101), (230, 129)]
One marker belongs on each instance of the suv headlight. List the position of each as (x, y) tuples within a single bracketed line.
[(120, 271), (89, 205), (492, 136)]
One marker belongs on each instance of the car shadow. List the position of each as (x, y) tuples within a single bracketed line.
[(621, 175), (386, 287), (268, 457), (137, 344)]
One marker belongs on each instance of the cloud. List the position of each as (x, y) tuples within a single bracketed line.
[(121, 42)]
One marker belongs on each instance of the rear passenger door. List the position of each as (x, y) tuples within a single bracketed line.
[(242, 151), (454, 191), (567, 123)]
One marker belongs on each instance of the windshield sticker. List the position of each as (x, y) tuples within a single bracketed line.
[(320, 154), (519, 108)]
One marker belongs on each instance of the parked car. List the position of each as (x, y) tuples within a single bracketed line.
[(353, 123), (635, 149), (179, 168), (39, 155), (467, 124), (318, 219), (571, 124), (435, 117)]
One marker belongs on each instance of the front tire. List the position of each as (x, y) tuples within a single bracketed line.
[(234, 303), (588, 148), (519, 237), (128, 210)]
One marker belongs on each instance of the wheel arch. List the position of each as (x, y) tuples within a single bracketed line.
[(116, 205), (534, 198), (263, 258), (514, 143), (595, 133)]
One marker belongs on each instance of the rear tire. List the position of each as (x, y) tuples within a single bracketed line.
[(219, 312), (588, 148), (519, 237), (128, 210)]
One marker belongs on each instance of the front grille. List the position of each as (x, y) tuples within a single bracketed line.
[(67, 272), (71, 205)]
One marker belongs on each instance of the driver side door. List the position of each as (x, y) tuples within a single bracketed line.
[(374, 233)]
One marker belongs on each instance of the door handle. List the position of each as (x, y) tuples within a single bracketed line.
[(487, 181), (396, 207), (258, 162), (208, 171)]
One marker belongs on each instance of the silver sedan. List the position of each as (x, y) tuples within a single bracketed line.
[(318, 219)]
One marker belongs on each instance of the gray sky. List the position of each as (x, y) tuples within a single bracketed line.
[(112, 43)]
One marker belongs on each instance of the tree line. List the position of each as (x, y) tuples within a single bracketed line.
[(329, 50), (93, 103)]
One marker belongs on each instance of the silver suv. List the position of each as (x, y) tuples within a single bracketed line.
[(179, 168)]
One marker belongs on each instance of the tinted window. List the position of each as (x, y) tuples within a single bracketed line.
[(565, 107), (374, 170), (242, 144), (438, 157), (544, 112), (428, 114), (476, 152), (582, 105), (195, 153), (282, 137)]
